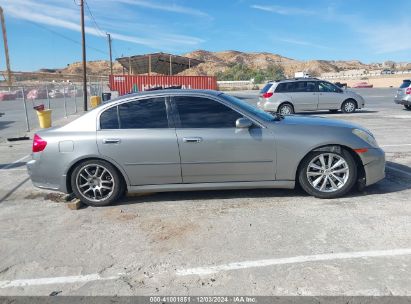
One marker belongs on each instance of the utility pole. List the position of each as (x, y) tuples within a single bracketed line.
[(6, 48), (111, 57), (83, 44)]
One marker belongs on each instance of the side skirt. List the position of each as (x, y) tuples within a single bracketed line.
[(212, 186)]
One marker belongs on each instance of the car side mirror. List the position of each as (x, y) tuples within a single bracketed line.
[(243, 123)]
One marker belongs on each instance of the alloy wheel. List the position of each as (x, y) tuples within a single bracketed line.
[(328, 172), (95, 182), (286, 110), (349, 107)]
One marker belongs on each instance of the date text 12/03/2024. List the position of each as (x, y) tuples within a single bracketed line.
[(203, 299)]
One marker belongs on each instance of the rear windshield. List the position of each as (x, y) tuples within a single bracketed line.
[(266, 88), (405, 84)]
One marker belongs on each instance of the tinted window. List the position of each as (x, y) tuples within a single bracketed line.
[(405, 84), (328, 87), (199, 112), (305, 86), (285, 87), (109, 119), (143, 114), (266, 88), (280, 88)]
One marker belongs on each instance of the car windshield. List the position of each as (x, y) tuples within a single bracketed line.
[(249, 108), (405, 84)]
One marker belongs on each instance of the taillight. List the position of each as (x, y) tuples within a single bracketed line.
[(408, 91), (267, 95), (39, 144)]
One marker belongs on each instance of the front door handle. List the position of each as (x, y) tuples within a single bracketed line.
[(111, 141), (192, 139)]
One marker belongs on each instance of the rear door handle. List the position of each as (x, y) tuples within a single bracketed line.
[(192, 139), (111, 141)]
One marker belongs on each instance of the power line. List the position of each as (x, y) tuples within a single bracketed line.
[(99, 31), (66, 37)]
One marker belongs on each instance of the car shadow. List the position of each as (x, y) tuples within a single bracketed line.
[(12, 165), (336, 113), (5, 124), (398, 178)]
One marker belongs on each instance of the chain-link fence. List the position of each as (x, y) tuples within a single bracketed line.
[(17, 103)]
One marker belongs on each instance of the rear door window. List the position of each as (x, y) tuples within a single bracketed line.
[(280, 88), (285, 87), (109, 119), (405, 84), (148, 113)]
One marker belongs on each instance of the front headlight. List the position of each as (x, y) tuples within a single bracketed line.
[(367, 137)]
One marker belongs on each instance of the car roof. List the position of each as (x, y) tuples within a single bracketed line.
[(295, 79), (162, 92)]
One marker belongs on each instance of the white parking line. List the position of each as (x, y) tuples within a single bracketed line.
[(56, 280), (399, 145), (292, 260)]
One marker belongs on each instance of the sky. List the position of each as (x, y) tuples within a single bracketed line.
[(46, 33)]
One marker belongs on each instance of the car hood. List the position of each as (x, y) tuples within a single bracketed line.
[(319, 121), (352, 93)]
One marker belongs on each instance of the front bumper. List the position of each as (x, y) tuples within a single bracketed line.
[(374, 165)]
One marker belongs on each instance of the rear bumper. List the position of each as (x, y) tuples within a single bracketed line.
[(38, 178), (406, 102), (375, 167), (267, 106)]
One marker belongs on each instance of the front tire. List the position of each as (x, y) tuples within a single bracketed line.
[(326, 174), (349, 106), (97, 183), (407, 107)]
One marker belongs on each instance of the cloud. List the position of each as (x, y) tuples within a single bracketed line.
[(166, 6), (67, 17), (282, 10), (303, 43), (377, 36), (383, 38)]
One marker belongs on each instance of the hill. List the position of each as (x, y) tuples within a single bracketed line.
[(220, 61)]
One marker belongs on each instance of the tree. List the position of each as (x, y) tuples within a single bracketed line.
[(239, 71)]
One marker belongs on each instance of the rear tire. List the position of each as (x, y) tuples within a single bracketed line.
[(326, 174), (349, 106), (285, 109), (407, 107), (97, 183)]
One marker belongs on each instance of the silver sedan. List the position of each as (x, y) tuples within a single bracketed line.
[(178, 140)]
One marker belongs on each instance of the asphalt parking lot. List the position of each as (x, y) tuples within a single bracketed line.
[(240, 242)]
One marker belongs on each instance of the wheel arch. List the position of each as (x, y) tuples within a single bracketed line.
[(122, 174), (286, 102), (335, 148), (350, 98)]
